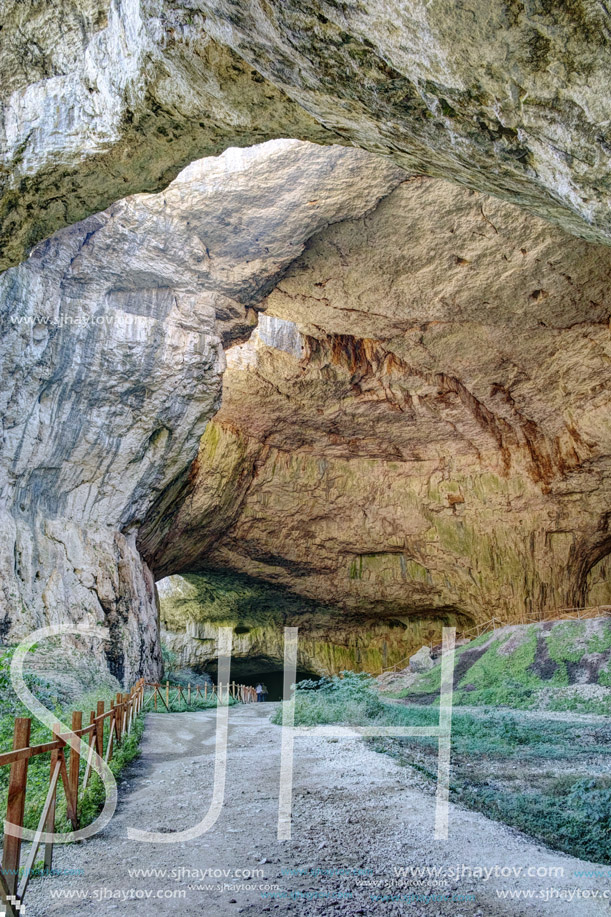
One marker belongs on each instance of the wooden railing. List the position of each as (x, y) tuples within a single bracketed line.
[(123, 710), (568, 614), (243, 694)]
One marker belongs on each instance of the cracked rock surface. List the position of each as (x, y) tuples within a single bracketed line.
[(112, 361), (102, 99), (420, 423)]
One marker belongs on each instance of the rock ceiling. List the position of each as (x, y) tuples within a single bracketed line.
[(419, 422), (103, 99)]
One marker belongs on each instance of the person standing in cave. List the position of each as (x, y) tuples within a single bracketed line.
[(259, 690), (264, 692)]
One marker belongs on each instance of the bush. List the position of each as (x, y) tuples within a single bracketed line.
[(346, 698)]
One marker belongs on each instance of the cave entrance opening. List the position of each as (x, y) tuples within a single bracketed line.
[(251, 670)]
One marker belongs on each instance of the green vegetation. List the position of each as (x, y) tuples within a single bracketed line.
[(347, 698), (56, 699), (565, 643), (501, 679), (577, 704), (604, 677), (600, 643), (542, 775), (528, 667)]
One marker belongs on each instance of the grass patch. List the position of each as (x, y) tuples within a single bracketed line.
[(604, 677), (600, 642), (544, 776), (576, 704), (527, 668), (564, 642)]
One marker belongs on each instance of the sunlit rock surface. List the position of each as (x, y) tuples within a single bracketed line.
[(102, 99), (192, 609), (112, 360), (420, 423)]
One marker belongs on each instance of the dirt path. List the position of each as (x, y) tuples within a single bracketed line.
[(358, 819)]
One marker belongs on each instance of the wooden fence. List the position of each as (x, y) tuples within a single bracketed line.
[(123, 710), (568, 614), (243, 694)]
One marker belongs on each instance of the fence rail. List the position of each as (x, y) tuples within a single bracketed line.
[(568, 614), (243, 694), (65, 769)]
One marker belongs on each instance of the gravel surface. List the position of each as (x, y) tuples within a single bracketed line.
[(361, 823)]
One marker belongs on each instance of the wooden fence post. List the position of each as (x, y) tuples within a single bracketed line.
[(118, 722), (155, 698), (50, 820), (75, 765), (99, 730), (189, 694), (167, 694), (92, 742), (16, 803)]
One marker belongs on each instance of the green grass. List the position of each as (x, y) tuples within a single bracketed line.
[(604, 677), (500, 679), (521, 677), (564, 642), (576, 704), (493, 680), (534, 773), (600, 643)]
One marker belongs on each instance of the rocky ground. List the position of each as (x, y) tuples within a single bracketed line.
[(360, 823)]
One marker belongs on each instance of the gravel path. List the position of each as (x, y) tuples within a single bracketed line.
[(359, 822)]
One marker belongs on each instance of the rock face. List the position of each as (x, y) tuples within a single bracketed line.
[(416, 433), (111, 367), (102, 99), (192, 608), (421, 661), (419, 425)]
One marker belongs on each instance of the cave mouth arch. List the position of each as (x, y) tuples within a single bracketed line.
[(330, 639), (250, 670)]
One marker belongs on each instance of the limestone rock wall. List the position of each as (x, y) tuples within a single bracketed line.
[(420, 423), (112, 359), (102, 99), (329, 641)]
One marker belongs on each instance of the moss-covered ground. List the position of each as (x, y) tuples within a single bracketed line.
[(558, 666)]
